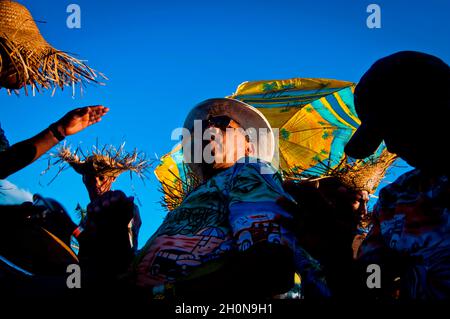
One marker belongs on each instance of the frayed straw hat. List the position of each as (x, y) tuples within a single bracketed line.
[(107, 161), (360, 175), (365, 175), (35, 61)]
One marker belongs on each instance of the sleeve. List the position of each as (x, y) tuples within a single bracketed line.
[(16, 157), (254, 215)]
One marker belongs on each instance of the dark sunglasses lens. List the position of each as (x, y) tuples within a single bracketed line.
[(221, 122)]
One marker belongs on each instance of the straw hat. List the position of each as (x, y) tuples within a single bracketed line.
[(107, 161), (246, 115), (365, 175), (34, 60), (360, 175)]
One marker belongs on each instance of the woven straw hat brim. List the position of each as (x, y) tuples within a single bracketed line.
[(97, 166), (36, 62), (111, 162)]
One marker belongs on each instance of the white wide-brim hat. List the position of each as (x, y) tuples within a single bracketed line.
[(246, 115)]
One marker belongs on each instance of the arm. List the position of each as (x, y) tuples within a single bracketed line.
[(26, 152)]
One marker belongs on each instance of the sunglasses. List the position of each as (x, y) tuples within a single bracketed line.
[(221, 122)]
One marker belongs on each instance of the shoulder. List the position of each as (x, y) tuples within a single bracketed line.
[(404, 190), (408, 183)]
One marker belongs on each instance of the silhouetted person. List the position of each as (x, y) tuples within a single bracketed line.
[(404, 99)]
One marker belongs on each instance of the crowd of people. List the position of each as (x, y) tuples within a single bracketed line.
[(245, 231)]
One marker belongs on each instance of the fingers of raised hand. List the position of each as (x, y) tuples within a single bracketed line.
[(96, 113)]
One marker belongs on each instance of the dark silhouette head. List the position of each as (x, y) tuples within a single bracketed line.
[(404, 99)]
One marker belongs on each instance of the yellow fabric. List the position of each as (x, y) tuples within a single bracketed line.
[(255, 87)]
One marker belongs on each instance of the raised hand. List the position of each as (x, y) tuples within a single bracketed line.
[(78, 119)]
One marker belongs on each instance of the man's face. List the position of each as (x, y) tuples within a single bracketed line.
[(354, 200), (97, 185), (359, 201), (225, 145)]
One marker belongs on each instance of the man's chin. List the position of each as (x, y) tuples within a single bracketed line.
[(222, 166)]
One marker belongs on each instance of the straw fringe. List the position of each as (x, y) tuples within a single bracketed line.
[(107, 161), (47, 68), (358, 175), (35, 61), (174, 192)]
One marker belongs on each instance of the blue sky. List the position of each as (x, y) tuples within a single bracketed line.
[(164, 57)]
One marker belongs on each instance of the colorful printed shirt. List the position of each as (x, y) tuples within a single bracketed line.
[(411, 222), (231, 211)]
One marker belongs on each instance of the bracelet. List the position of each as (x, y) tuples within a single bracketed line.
[(56, 133)]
